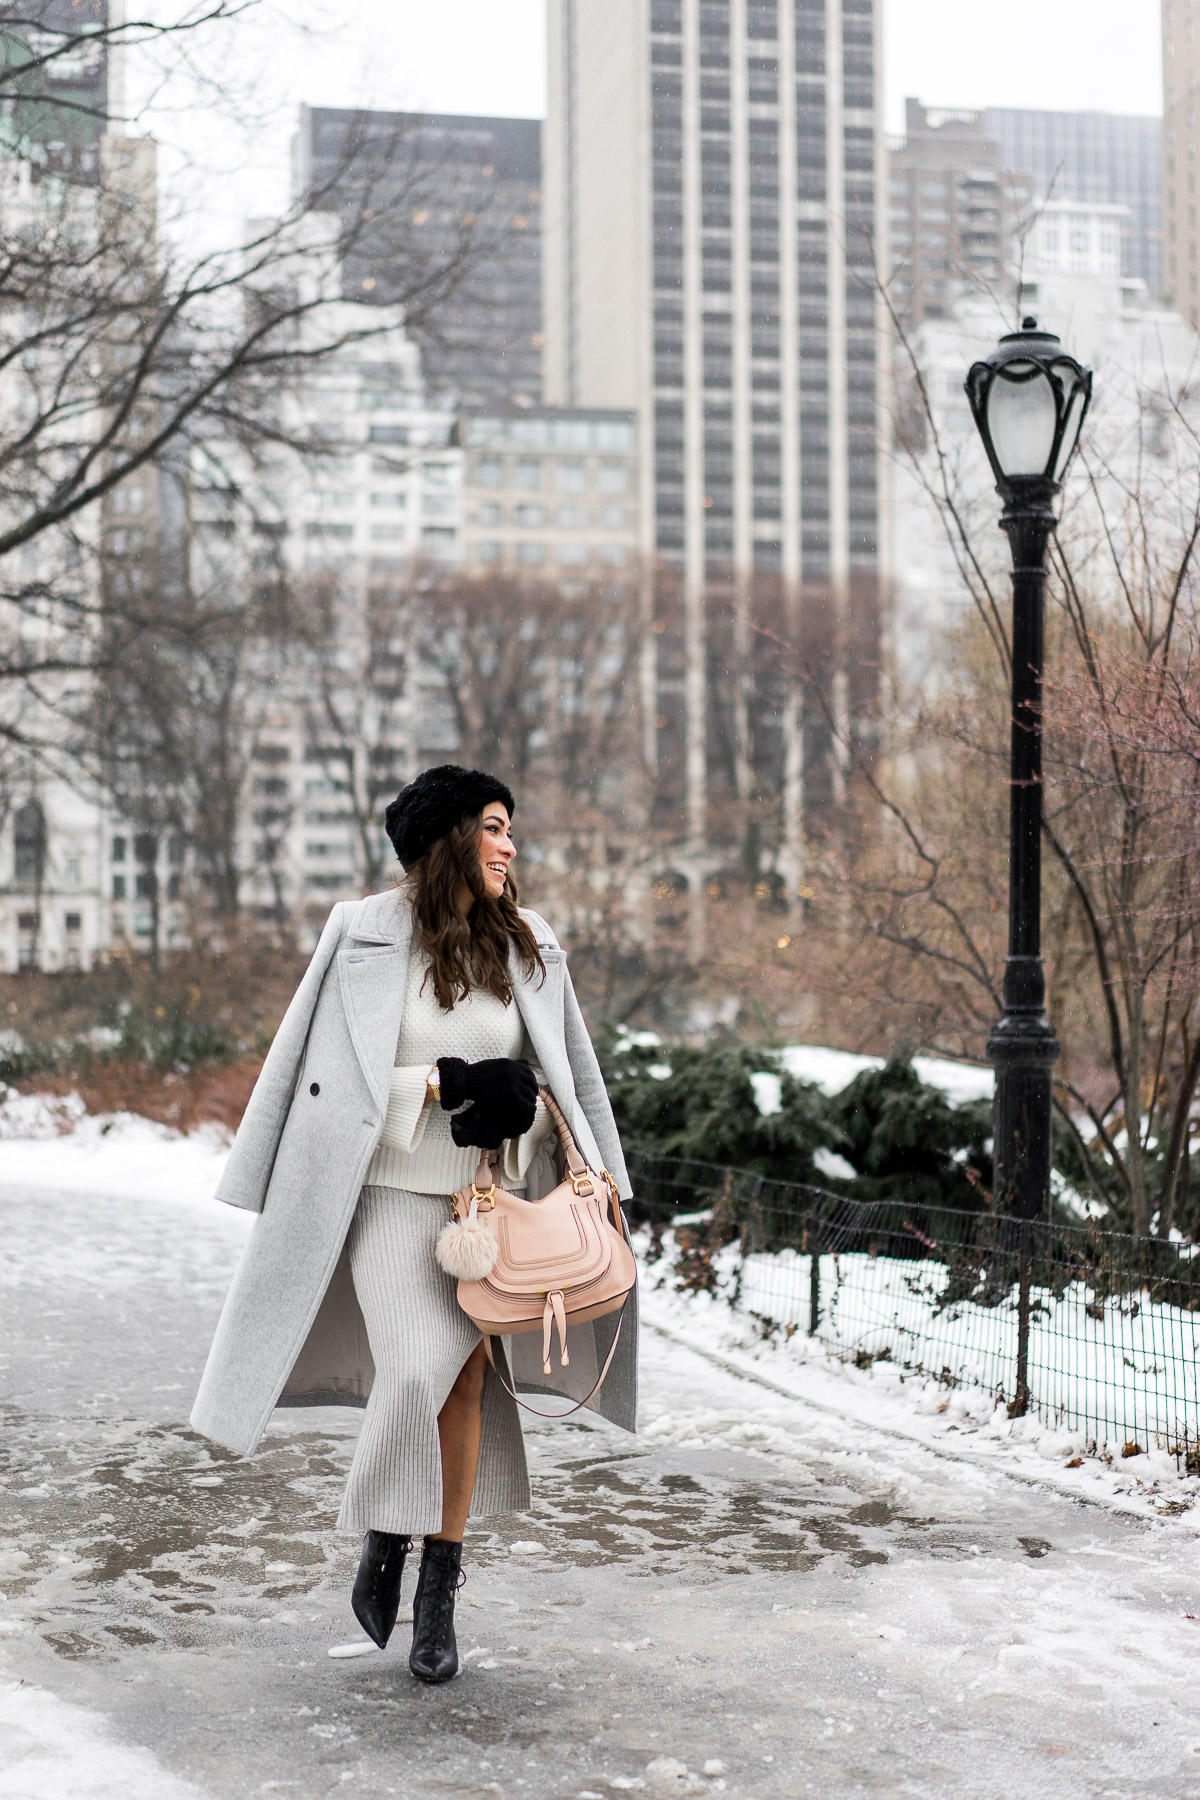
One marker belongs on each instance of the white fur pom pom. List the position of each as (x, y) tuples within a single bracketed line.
[(467, 1250)]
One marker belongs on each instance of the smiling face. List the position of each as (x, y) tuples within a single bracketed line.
[(496, 848)]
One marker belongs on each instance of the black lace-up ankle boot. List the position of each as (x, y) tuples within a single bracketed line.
[(434, 1654), (376, 1594)]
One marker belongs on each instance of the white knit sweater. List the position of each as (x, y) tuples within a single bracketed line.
[(416, 1150)]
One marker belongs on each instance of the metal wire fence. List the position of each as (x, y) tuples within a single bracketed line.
[(1087, 1329)]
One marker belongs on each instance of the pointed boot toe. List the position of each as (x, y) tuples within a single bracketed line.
[(376, 1593), (434, 1654)]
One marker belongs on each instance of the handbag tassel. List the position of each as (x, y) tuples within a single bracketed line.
[(554, 1314)]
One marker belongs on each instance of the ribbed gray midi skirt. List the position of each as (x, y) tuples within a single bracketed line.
[(420, 1338)]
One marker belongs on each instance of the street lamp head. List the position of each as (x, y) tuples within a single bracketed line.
[(1028, 398)]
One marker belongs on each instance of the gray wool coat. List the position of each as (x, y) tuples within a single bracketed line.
[(291, 1332)]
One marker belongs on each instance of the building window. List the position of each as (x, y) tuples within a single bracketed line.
[(612, 518), (118, 887), (73, 922), (393, 500), (530, 555), (613, 554), (29, 843), (571, 555), (530, 515), (571, 518), (118, 849), (174, 884), (27, 926), (144, 888), (529, 472), (613, 478), (488, 551), (489, 472), (572, 477), (489, 514), (175, 847), (387, 534)]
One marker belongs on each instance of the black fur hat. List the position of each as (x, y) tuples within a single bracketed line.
[(435, 802)]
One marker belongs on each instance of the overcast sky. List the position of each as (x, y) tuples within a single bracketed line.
[(488, 56)]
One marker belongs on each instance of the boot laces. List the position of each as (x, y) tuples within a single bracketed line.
[(443, 1605)]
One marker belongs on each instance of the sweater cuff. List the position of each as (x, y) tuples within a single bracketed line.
[(404, 1126), (519, 1152)]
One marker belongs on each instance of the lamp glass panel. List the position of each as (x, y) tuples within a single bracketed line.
[(1070, 436), (1021, 419)]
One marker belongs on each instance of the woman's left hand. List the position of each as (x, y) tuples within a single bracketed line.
[(503, 1093)]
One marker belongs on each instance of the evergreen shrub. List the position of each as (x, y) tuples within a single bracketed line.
[(902, 1139)]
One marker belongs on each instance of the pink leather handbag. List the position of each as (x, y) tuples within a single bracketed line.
[(524, 1265)]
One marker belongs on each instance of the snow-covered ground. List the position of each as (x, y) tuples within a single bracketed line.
[(47, 1142), (1107, 1368), (53, 1750), (802, 1577)]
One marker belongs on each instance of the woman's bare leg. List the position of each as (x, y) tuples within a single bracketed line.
[(460, 1428)]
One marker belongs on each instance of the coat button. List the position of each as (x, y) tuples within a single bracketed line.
[(314, 1087)]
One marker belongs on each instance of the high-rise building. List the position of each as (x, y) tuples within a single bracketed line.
[(951, 213), (1111, 158), (56, 111), (1181, 77), (435, 177), (712, 187)]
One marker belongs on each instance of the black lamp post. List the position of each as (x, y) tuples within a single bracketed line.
[(1028, 398)]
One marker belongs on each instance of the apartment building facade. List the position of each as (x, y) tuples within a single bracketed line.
[(1107, 159), (712, 181), (443, 180), (550, 493), (952, 212), (1181, 78)]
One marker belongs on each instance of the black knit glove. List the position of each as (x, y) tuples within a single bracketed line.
[(503, 1091)]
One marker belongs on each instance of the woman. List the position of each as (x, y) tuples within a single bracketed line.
[(420, 1033)]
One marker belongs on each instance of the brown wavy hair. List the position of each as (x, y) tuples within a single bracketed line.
[(472, 951)]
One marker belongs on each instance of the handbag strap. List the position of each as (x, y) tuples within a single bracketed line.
[(566, 1137), (487, 1172), (536, 1410)]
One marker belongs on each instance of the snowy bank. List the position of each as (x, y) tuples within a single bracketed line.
[(964, 1420), (47, 1142), (833, 1070)]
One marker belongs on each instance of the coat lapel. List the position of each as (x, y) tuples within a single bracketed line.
[(373, 976), (541, 1007)]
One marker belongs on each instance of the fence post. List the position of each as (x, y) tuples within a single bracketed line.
[(814, 1282), (1019, 1404)]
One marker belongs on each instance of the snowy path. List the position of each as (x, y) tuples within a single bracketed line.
[(812, 1604)]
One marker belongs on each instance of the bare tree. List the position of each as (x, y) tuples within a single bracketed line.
[(926, 882), (121, 343)]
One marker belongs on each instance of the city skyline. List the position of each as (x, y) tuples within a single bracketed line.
[(458, 59)]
